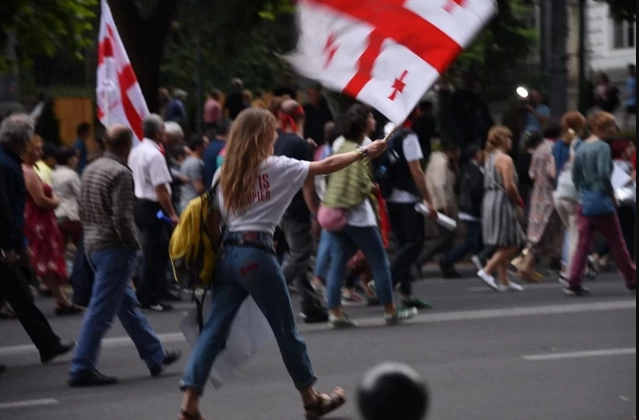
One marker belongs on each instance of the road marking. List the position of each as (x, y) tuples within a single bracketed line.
[(581, 354), (532, 287), (28, 404), (426, 318)]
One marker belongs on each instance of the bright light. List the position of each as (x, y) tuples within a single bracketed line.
[(522, 91), (388, 128)]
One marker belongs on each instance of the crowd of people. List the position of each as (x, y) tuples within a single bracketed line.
[(309, 204)]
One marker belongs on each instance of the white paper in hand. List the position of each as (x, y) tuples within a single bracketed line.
[(249, 334), (442, 220)]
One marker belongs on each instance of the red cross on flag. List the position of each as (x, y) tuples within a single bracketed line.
[(119, 96), (386, 53)]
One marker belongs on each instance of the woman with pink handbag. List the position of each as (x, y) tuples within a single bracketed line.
[(348, 215)]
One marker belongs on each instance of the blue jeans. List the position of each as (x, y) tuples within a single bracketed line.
[(240, 272), (323, 258), (343, 246), (473, 244), (113, 295)]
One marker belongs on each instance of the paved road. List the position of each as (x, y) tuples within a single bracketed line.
[(530, 356)]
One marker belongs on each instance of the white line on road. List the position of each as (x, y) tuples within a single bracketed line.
[(582, 354), (545, 286), (379, 321), (28, 404)]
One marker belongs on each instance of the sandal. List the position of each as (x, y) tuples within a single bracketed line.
[(326, 403), (62, 310), (185, 415)]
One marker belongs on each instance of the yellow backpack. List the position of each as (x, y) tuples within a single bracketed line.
[(193, 248)]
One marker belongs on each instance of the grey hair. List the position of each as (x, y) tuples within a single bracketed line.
[(16, 131), (173, 129), (152, 125)]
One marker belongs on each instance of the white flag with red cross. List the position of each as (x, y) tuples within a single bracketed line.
[(119, 96), (386, 53)]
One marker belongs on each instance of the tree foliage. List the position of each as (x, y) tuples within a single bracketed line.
[(44, 27), (623, 9)]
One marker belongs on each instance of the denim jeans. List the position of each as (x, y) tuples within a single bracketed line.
[(473, 244), (240, 272), (82, 277), (343, 246), (323, 258), (113, 295)]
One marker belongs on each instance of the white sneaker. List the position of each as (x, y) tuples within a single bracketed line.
[(514, 287), (488, 279)]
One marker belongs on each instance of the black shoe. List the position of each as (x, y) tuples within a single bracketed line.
[(448, 271), (315, 316), (3, 370), (93, 378), (577, 291), (59, 350), (158, 307), (171, 297), (170, 357)]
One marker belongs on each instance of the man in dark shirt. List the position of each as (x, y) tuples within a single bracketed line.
[(296, 223), (234, 102), (16, 132), (317, 115), (217, 140)]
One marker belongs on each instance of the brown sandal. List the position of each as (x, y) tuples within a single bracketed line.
[(62, 310), (185, 415), (326, 403)]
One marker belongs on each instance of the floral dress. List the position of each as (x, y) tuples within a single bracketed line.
[(45, 239), (545, 229)]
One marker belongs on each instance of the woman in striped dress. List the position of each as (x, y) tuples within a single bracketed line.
[(500, 211)]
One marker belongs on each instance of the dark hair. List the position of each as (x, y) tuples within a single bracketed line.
[(65, 154), (552, 129), (472, 151), (533, 140), (356, 121), (49, 150), (178, 152), (425, 106), (223, 127), (196, 141), (83, 129), (449, 147)]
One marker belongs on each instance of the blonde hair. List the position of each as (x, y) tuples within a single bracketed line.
[(574, 124), (498, 138), (248, 145)]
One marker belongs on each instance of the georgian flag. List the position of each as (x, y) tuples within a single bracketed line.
[(386, 53), (119, 96)]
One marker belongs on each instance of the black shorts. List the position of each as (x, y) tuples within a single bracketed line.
[(631, 109)]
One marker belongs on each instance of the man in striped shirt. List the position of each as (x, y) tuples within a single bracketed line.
[(111, 244)]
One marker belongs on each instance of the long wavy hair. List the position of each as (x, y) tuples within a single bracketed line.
[(250, 142)]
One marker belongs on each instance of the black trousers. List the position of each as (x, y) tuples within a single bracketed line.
[(15, 289), (82, 277), (155, 246), (409, 229)]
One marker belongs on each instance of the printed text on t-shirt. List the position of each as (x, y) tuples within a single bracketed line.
[(262, 191)]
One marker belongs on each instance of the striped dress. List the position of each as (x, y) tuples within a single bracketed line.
[(500, 220)]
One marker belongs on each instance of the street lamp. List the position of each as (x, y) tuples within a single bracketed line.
[(522, 92)]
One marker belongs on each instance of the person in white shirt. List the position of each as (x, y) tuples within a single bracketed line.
[(255, 189), (152, 181), (66, 185)]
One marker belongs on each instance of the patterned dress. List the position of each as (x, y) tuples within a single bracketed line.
[(545, 229), (500, 218), (45, 239)]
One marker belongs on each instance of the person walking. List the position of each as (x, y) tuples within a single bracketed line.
[(107, 204), (255, 189), (500, 214), (592, 172), (16, 132)]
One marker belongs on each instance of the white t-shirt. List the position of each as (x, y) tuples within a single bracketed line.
[(279, 179), (412, 153), (149, 170)]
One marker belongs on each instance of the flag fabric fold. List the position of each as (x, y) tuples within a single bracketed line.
[(118, 93), (385, 53)]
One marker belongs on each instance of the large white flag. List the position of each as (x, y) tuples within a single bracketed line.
[(386, 53), (119, 96)]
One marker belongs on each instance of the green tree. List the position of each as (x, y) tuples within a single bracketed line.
[(623, 9), (44, 27)]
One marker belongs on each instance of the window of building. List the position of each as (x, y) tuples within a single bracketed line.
[(624, 35)]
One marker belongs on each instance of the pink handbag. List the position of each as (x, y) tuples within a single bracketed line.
[(332, 220)]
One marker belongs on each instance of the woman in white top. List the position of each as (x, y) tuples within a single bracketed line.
[(66, 185), (255, 188)]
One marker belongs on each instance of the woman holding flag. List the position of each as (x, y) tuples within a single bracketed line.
[(255, 188)]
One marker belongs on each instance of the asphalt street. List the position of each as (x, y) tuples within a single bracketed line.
[(537, 355)]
